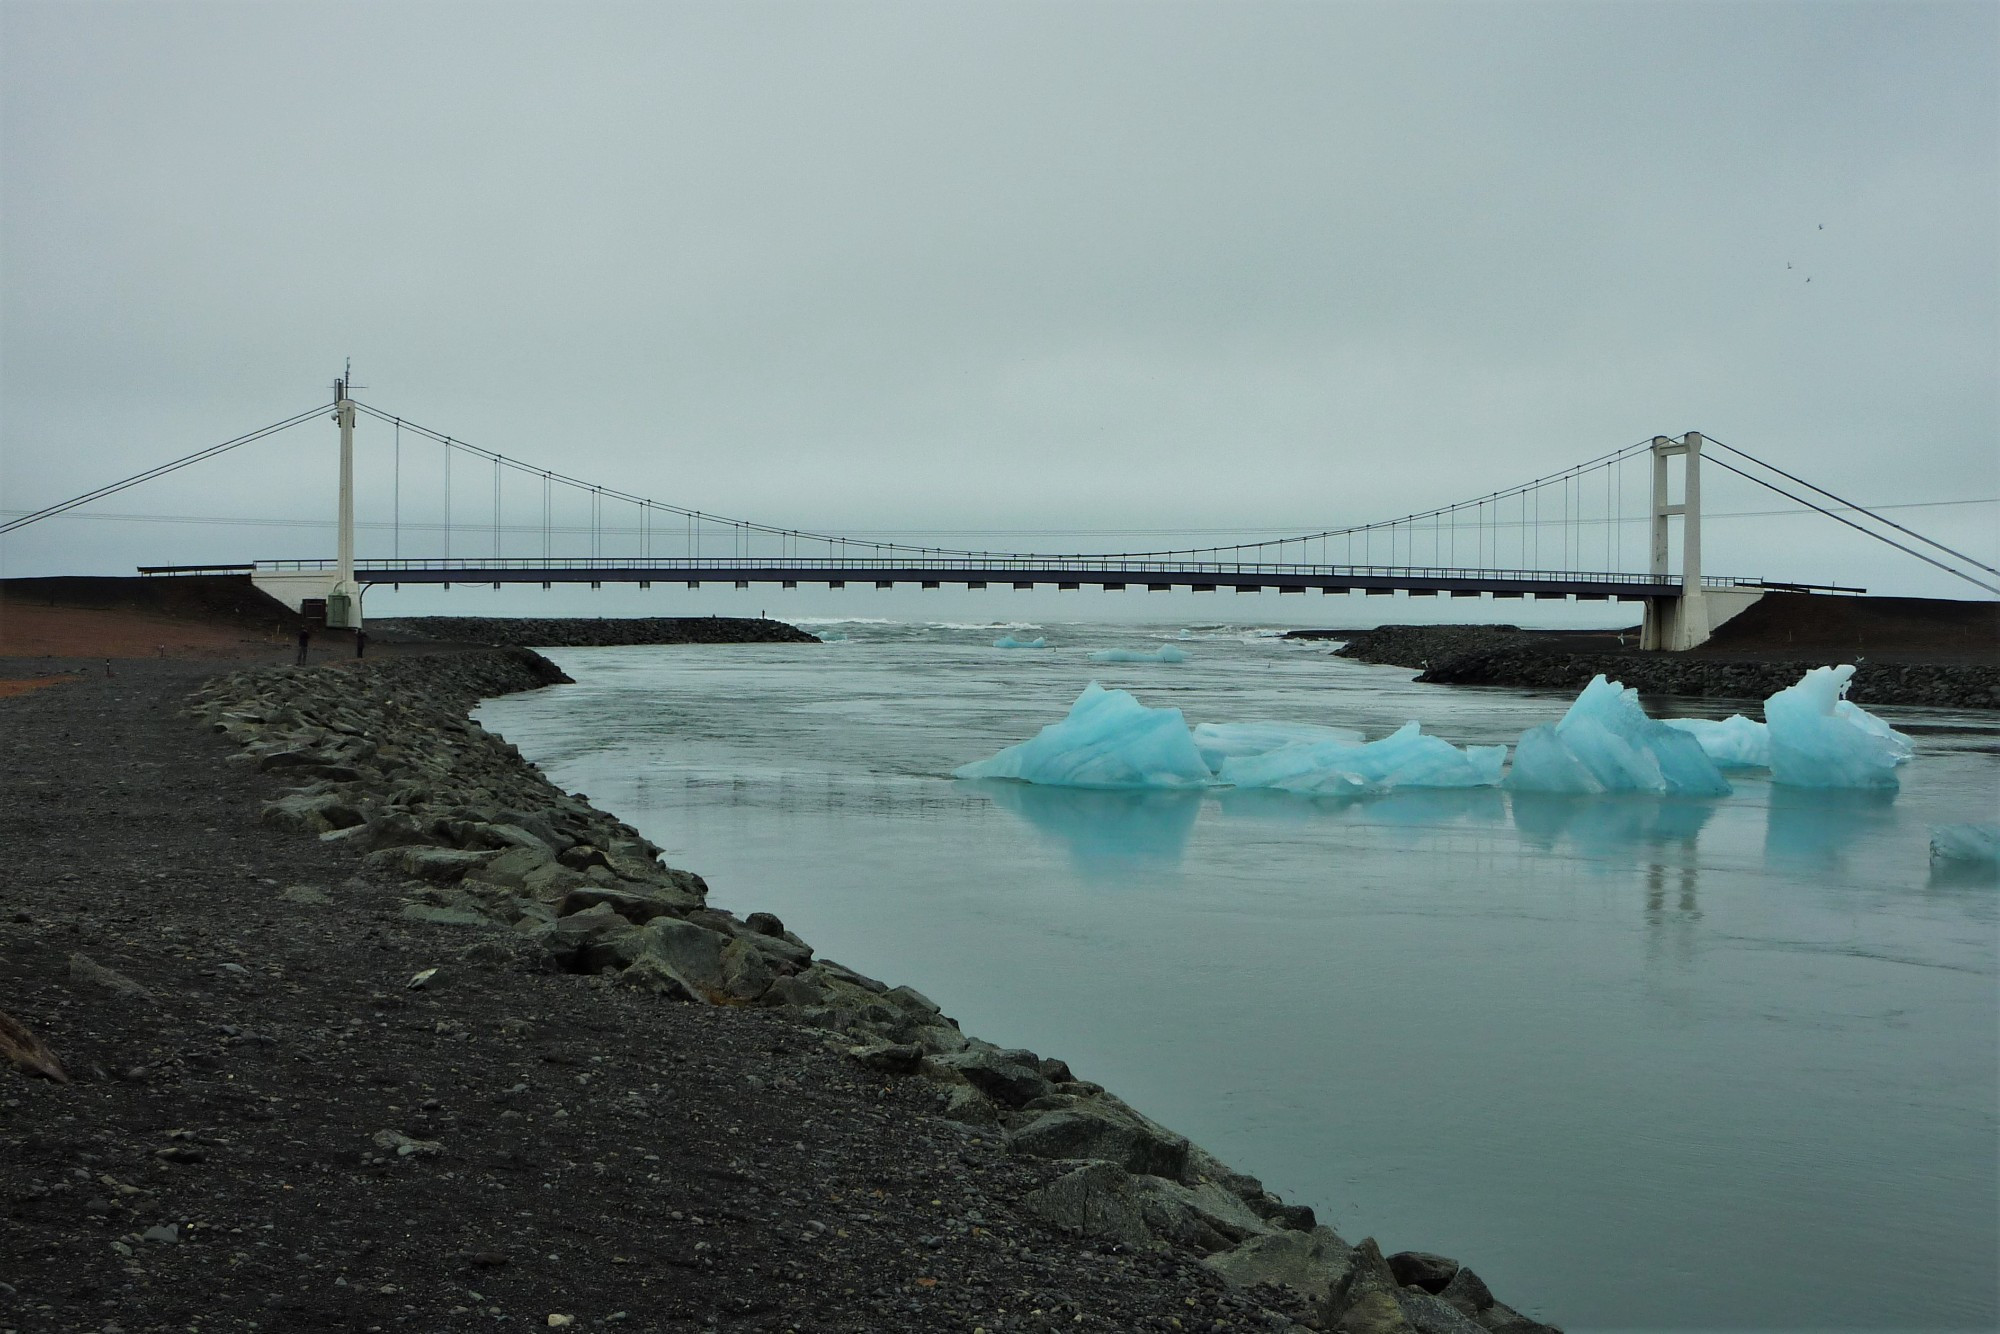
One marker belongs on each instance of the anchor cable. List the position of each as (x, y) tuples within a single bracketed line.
[(50, 511), (1863, 509), (1977, 583)]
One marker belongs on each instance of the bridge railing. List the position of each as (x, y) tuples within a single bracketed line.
[(948, 565)]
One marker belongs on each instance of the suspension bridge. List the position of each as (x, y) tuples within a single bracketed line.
[(1558, 536)]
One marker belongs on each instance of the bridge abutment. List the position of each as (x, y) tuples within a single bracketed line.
[(1684, 622)]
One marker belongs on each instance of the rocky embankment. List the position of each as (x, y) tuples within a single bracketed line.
[(596, 631), (386, 763), (1506, 656)]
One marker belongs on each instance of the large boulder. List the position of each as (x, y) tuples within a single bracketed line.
[(1102, 1129), (1309, 1263), (499, 834), (1499, 1318), (1466, 1293), (746, 972), (1204, 1218), (1422, 1269), (1008, 1077), (424, 863), (393, 829), (1370, 1300), (1104, 1202), (1429, 1315), (636, 907), (668, 951), (1095, 1201), (310, 812), (583, 942), (1364, 1300)]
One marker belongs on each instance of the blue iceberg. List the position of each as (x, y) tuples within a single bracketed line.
[(1008, 641), (1819, 739), (1225, 741), (1734, 743), (1606, 743), (1973, 844), (1109, 740), (1405, 758), (1164, 653)]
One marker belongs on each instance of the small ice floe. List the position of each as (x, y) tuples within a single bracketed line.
[(1820, 739), (1406, 758), (1734, 743), (1966, 844), (1164, 653), (1008, 641), (1109, 740), (1606, 743)]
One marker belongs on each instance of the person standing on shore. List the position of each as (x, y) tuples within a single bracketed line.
[(305, 642)]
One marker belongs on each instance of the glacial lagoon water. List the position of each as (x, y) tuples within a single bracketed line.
[(1645, 1063)]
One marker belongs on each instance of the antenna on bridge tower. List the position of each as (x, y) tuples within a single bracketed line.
[(343, 600)]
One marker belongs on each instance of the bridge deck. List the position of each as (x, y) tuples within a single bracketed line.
[(1005, 572)]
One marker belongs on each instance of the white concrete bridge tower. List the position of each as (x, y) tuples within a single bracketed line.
[(1688, 619)]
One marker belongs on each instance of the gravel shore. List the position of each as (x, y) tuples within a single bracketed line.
[(609, 1102)]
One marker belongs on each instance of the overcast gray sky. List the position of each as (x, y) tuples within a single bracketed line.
[(1003, 266)]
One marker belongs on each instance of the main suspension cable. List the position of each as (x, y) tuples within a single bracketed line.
[(743, 527)]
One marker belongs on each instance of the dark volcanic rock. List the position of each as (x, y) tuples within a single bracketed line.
[(1504, 655), (1944, 685), (1422, 1269)]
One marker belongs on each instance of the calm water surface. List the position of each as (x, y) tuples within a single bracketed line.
[(1645, 1064)]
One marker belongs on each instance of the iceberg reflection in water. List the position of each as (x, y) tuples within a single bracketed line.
[(1605, 824), (1815, 828), (1410, 808), (1104, 829)]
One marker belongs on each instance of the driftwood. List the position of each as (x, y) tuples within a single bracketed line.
[(28, 1051)]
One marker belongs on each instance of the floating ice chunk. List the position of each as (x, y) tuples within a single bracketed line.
[(1819, 739), (1008, 641), (1223, 741), (1606, 743), (1109, 740), (1734, 743), (1164, 653), (1977, 844), (1405, 758)]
